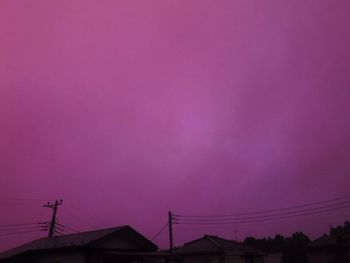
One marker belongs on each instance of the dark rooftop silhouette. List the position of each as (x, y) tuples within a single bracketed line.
[(75, 240)]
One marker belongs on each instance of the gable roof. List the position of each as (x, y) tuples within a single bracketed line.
[(324, 241), (215, 244), (330, 241), (77, 240)]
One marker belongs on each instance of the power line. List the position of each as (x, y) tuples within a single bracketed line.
[(24, 199), (72, 229), (58, 233), (18, 233), (81, 219), (291, 213), (162, 229), (67, 227), (18, 203), (59, 228), (16, 229), (91, 220), (42, 226), (22, 224), (75, 208), (187, 222), (267, 211)]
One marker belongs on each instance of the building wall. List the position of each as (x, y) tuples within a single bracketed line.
[(202, 259), (235, 259), (57, 257), (101, 257), (218, 259), (113, 243), (273, 258), (320, 257), (244, 259)]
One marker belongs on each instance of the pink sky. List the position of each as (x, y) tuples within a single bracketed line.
[(129, 109)]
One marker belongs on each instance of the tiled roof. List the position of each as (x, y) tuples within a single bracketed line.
[(81, 239)]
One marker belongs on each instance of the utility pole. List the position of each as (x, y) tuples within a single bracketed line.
[(54, 207), (170, 217)]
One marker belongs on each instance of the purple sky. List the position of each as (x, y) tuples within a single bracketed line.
[(128, 109)]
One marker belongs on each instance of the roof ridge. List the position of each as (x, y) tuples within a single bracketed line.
[(193, 241), (91, 231)]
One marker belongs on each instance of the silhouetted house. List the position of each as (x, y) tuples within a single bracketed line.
[(119, 244), (327, 249), (213, 249)]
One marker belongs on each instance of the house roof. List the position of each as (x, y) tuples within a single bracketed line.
[(330, 241), (215, 244), (324, 241), (77, 240)]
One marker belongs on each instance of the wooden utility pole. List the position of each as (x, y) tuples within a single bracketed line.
[(170, 218), (54, 208)]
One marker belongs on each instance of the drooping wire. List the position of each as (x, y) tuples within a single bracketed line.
[(289, 213), (257, 220), (21, 228), (18, 233), (88, 218), (64, 227), (266, 215), (160, 231), (21, 224), (267, 211)]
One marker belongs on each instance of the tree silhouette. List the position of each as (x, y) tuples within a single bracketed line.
[(292, 248)]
